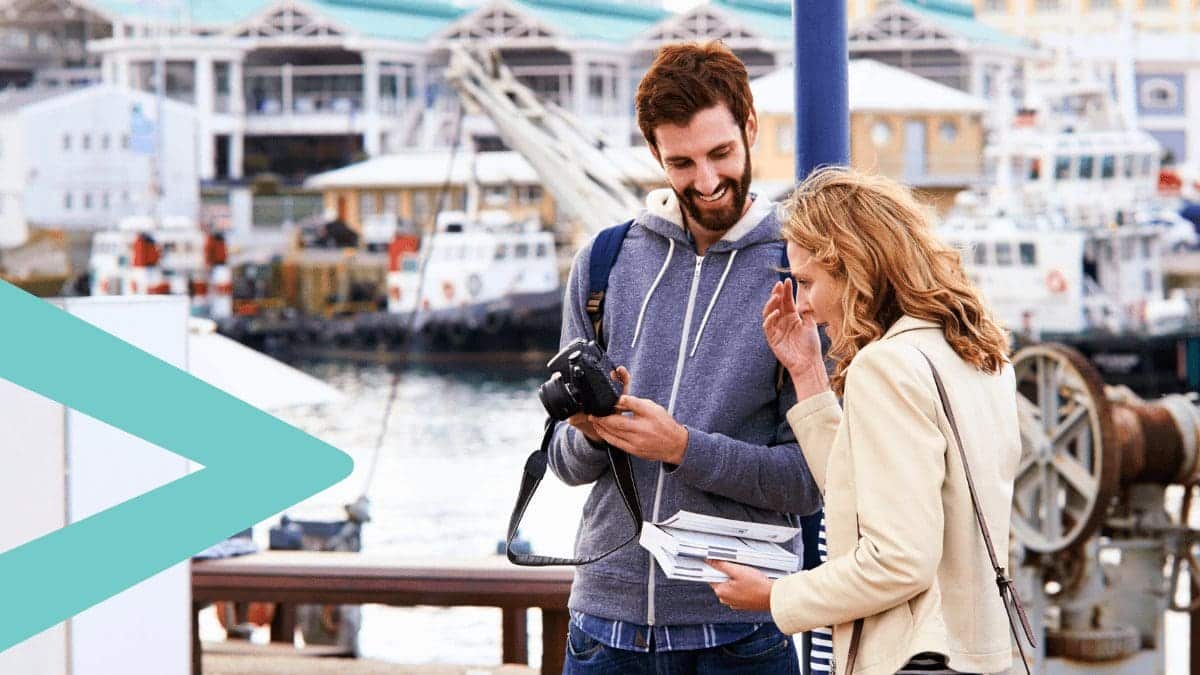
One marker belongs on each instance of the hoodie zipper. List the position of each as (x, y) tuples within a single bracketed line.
[(683, 351)]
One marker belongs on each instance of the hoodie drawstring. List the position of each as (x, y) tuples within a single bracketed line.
[(642, 314), (720, 284)]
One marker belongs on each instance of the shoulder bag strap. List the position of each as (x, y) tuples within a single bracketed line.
[(1008, 594)]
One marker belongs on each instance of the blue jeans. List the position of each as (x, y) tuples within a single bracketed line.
[(764, 652)]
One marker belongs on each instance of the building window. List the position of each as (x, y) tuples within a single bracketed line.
[(881, 133), (66, 142), (948, 130), (1004, 254), (1156, 4), (1048, 5), (1028, 253), (1108, 166), (981, 256), (104, 142), (1127, 160), (104, 201), (125, 141), (1086, 164), (995, 5), (1159, 94), (1101, 4), (1062, 168), (67, 201), (85, 142)]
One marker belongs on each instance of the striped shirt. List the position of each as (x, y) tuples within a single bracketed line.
[(638, 638), (820, 658)]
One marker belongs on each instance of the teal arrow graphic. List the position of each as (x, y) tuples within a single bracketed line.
[(256, 463)]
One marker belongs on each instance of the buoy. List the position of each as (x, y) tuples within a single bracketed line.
[(1056, 281)]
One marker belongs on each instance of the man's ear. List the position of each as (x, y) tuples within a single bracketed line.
[(751, 129)]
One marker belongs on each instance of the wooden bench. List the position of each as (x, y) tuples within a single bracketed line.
[(309, 577)]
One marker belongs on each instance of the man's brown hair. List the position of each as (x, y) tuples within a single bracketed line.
[(687, 78)]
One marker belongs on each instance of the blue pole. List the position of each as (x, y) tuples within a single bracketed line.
[(821, 72), (822, 138)]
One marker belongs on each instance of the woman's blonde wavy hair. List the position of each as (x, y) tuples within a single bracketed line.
[(871, 231)]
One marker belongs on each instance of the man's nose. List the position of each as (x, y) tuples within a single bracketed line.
[(707, 179)]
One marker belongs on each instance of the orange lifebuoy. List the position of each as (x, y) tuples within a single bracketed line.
[(1056, 281)]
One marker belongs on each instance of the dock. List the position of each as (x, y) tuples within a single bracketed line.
[(302, 577)]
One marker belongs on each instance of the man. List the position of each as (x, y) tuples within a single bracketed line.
[(705, 424)]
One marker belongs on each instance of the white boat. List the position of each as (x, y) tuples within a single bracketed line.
[(475, 274), (169, 257), (1068, 239)]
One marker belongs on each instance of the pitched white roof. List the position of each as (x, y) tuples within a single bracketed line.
[(430, 168), (874, 86)]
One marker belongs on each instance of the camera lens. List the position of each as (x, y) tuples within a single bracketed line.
[(557, 398)]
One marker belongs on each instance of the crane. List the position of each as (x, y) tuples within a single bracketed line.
[(592, 180)]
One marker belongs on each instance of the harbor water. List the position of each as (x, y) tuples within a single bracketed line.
[(448, 469), (447, 476)]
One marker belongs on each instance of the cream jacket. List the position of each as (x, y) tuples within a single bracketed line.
[(888, 468)]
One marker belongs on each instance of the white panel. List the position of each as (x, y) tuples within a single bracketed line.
[(32, 495), (145, 630)]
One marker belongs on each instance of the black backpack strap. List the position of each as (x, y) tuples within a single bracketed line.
[(604, 253), (605, 250), (785, 273)]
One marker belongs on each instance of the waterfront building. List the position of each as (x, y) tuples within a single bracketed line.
[(943, 41), (84, 159), (1146, 50), (927, 134), (402, 190), (295, 87)]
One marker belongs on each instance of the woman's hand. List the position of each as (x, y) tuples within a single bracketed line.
[(747, 589), (791, 335)]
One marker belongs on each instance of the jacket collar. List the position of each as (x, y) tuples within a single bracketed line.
[(906, 323)]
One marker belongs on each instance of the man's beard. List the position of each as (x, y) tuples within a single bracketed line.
[(723, 219)]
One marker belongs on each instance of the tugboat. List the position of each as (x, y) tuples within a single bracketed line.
[(489, 276), (1067, 243)]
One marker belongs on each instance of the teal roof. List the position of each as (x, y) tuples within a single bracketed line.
[(407, 20), (769, 18), (951, 7), (611, 21), (958, 18)]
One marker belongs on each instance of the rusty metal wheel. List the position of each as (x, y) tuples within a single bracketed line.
[(1070, 467)]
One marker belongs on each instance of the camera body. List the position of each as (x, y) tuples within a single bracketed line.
[(581, 382)]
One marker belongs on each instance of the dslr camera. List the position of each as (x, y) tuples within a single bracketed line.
[(582, 381)]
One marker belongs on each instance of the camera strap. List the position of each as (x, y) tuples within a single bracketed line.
[(535, 470)]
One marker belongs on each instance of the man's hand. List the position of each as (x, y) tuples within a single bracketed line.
[(582, 421), (647, 431), (747, 589)]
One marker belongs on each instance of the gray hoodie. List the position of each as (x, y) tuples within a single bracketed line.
[(689, 329)]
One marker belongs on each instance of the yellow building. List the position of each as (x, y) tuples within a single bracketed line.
[(926, 134), (403, 189)]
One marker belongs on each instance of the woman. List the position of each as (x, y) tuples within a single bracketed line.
[(905, 551)]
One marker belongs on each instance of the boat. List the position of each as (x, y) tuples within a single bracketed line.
[(476, 278), (168, 257), (1067, 241)]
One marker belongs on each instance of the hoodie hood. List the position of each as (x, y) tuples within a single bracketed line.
[(664, 215)]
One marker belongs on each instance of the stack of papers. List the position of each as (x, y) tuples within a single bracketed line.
[(681, 544)]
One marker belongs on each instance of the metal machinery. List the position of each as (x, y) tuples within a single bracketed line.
[(594, 181), (1104, 543)]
